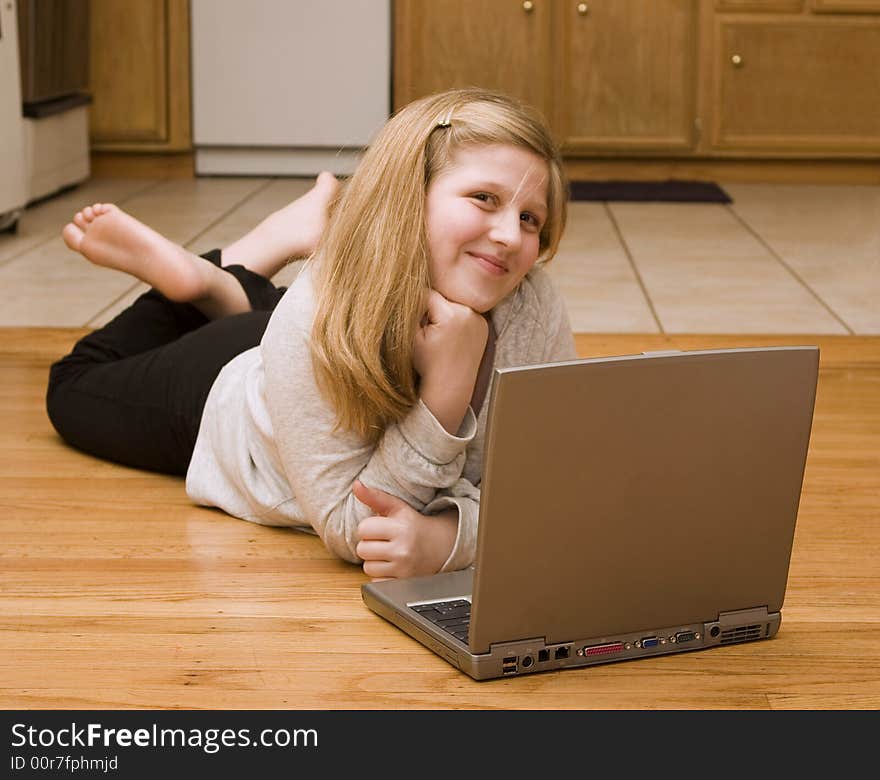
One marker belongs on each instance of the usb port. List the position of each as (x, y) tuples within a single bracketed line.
[(509, 664)]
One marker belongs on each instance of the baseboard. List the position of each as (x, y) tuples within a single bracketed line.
[(181, 165), (133, 165), (754, 171)]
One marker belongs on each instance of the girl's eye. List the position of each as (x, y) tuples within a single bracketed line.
[(530, 219), (483, 197)]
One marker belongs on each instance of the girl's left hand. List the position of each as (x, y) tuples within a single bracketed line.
[(397, 541)]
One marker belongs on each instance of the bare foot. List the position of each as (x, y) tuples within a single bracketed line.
[(289, 233), (105, 235)]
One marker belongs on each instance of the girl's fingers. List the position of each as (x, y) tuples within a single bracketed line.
[(437, 305), (380, 570), (375, 529), (373, 551)]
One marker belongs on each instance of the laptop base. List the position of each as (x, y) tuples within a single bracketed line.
[(527, 656)]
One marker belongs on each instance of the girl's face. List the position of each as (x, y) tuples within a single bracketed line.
[(484, 215)]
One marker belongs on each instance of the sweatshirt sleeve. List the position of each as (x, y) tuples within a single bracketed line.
[(553, 315), (413, 460), (465, 497)]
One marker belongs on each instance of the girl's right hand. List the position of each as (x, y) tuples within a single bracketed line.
[(397, 541), (447, 353)]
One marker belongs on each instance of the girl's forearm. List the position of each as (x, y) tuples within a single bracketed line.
[(448, 402)]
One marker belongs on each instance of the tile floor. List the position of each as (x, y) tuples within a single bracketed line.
[(779, 259)]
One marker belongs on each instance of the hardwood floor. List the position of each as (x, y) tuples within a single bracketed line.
[(116, 592)]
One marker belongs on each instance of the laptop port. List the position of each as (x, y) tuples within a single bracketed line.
[(527, 661), (562, 652), (685, 636), (650, 641), (509, 664), (543, 655), (606, 649)]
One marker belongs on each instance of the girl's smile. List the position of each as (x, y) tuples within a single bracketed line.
[(484, 215)]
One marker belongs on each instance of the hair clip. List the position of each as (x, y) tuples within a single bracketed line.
[(445, 121)]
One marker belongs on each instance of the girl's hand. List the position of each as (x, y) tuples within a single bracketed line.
[(398, 541), (447, 353)]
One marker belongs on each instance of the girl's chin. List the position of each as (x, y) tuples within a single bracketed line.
[(478, 304), (467, 293)]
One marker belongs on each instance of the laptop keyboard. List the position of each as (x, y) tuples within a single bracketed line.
[(453, 617)]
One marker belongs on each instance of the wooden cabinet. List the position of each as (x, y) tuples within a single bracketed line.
[(140, 75), (846, 6), (496, 44), (625, 75), (796, 86), (572, 61), (725, 79)]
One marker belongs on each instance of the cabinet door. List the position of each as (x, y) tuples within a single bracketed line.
[(625, 75), (846, 6), (497, 44), (793, 87), (139, 52)]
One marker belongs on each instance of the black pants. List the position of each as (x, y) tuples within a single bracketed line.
[(133, 391)]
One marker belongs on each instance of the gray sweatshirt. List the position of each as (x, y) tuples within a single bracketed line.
[(267, 452)]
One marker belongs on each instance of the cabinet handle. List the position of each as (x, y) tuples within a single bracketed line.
[(583, 9), (737, 61), (528, 6)]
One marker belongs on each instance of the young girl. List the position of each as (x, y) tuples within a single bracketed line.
[(356, 410)]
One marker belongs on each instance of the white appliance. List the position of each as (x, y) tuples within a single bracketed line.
[(54, 63), (288, 87), (13, 180)]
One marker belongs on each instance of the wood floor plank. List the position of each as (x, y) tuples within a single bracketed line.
[(117, 592)]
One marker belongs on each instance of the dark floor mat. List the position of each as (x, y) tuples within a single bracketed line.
[(672, 191)]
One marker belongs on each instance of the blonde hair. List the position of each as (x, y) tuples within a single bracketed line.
[(372, 265)]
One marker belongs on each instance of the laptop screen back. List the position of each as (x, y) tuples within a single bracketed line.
[(638, 492)]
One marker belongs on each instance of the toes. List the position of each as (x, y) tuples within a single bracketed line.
[(89, 213), (80, 221), (72, 236)]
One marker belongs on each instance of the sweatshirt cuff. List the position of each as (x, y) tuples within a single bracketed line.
[(465, 548), (424, 434)]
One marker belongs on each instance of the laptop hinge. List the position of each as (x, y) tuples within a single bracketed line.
[(517, 644), (755, 615)]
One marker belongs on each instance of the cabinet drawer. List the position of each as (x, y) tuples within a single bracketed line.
[(795, 87)]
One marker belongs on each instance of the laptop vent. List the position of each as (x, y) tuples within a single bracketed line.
[(742, 634)]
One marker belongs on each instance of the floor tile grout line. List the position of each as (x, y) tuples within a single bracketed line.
[(195, 238), (52, 236), (779, 259), (112, 303), (235, 207), (40, 242), (153, 184), (632, 262)]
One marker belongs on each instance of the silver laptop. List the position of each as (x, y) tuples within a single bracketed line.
[(630, 507)]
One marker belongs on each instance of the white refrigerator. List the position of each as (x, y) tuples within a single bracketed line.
[(288, 87)]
